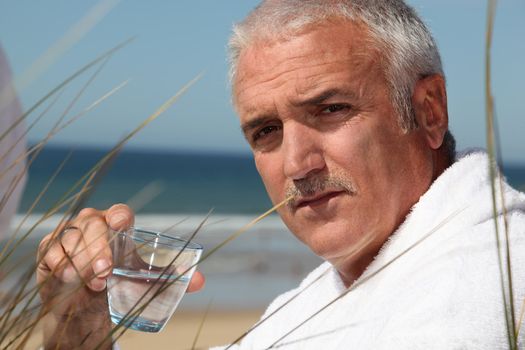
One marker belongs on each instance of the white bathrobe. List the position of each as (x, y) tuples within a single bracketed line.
[(434, 285)]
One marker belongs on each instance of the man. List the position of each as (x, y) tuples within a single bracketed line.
[(344, 106)]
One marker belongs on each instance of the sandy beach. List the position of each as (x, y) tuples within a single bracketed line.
[(220, 327)]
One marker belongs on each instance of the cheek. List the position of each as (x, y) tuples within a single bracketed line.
[(270, 170), (364, 157), (350, 150)]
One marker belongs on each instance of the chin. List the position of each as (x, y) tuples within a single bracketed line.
[(338, 246), (326, 246)]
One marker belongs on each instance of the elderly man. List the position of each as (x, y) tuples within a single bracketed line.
[(344, 105)]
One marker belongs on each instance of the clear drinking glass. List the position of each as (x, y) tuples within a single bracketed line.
[(151, 272)]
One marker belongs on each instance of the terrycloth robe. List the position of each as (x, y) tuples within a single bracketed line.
[(435, 284)]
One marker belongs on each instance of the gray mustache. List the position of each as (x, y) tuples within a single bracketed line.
[(311, 186)]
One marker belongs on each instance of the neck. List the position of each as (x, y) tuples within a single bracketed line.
[(351, 269)]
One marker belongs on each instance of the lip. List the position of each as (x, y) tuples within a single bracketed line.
[(317, 200)]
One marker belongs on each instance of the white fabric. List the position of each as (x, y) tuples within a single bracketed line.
[(444, 293), (12, 146)]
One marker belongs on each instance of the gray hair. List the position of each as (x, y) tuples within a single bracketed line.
[(410, 52)]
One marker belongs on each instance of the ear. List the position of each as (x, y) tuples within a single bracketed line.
[(430, 108)]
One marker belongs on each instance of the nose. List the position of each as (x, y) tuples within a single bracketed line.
[(302, 151)]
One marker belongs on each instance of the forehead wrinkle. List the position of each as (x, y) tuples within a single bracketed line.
[(359, 56), (310, 82), (280, 73)]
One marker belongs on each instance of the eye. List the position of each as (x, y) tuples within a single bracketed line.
[(334, 108), (265, 132)]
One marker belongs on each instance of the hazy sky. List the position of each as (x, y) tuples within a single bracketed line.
[(177, 40)]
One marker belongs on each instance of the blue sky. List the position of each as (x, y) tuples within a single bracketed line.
[(177, 40)]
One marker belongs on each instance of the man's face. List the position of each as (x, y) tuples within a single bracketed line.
[(317, 114)]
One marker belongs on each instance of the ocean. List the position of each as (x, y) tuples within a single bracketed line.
[(188, 183), (169, 182), (175, 191)]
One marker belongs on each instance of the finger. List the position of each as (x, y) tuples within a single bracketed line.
[(196, 283), (99, 251), (78, 258), (119, 217), (94, 233), (78, 250), (51, 258)]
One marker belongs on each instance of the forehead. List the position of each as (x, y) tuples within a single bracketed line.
[(304, 61)]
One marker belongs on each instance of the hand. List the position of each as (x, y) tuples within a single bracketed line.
[(73, 265)]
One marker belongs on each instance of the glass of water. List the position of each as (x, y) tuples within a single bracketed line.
[(151, 272)]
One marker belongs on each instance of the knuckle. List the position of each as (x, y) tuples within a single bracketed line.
[(119, 206), (71, 241), (45, 245), (54, 260), (87, 212), (96, 225), (51, 257), (45, 241), (120, 210)]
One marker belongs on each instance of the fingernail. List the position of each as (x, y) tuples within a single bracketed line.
[(98, 284), (101, 268), (117, 221), (69, 275)]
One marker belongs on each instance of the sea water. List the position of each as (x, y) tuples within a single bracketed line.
[(129, 291)]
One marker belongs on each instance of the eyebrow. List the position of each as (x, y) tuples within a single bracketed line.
[(255, 123), (323, 96)]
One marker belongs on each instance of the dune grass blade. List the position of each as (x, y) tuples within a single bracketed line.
[(243, 229), (65, 82), (53, 211), (520, 319), (5, 254), (26, 131), (115, 149), (40, 145), (145, 195), (135, 313), (83, 89), (18, 297), (70, 37), (16, 300), (507, 292), (201, 325), (354, 250), (78, 201), (50, 94), (143, 124), (22, 295), (58, 127), (135, 310)]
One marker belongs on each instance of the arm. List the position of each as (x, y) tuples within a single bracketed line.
[(74, 262)]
